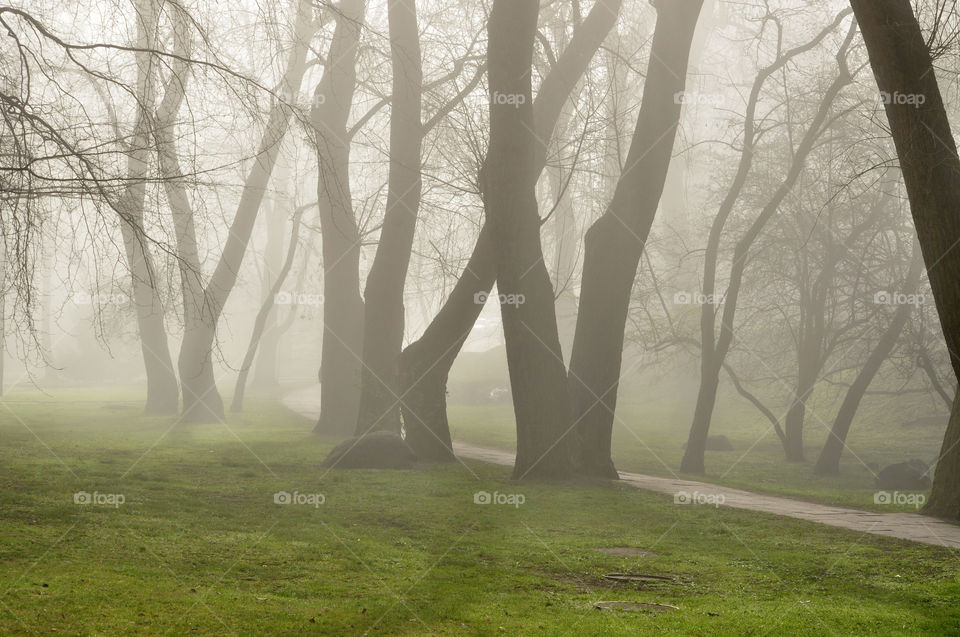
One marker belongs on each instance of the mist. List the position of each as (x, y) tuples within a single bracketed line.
[(513, 317)]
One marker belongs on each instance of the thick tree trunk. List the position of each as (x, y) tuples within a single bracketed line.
[(383, 297), (715, 349), (931, 170), (537, 374), (614, 243), (829, 461), (425, 364), (342, 307), (441, 342)]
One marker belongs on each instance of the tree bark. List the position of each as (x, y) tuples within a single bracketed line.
[(425, 364), (342, 307), (614, 243), (931, 170), (383, 296)]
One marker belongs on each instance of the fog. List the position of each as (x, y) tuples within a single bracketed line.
[(544, 247)]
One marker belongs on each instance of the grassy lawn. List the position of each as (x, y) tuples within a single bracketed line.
[(199, 546), (649, 436)]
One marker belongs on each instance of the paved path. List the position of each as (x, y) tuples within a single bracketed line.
[(906, 526)]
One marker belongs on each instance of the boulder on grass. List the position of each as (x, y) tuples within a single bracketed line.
[(717, 443), (375, 450), (907, 476)]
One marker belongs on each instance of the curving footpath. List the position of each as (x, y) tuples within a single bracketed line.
[(905, 526)]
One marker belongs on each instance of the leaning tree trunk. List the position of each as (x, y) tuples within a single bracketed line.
[(425, 365), (931, 171), (266, 310), (614, 243), (342, 305), (163, 392), (383, 296), (534, 360), (829, 461)]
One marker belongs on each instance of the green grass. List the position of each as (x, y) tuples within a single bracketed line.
[(649, 436), (200, 547)]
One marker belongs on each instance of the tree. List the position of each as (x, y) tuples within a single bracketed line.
[(714, 348), (829, 461), (343, 306), (614, 243), (383, 321), (902, 64), (425, 364), (162, 388), (537, 374), (203, 302)]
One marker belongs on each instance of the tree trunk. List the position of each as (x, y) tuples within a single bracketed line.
[(163, 392), (265, 369), (425, 364), (342, 306), (928, 159), (266, 310), (441, 342), (537, 374), (614, 243), (383, 297)]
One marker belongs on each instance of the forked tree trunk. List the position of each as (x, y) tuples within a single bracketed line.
[(342, 306), (425, 365), (614, 243), (829, 461), (931, 171), (383, 321)]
